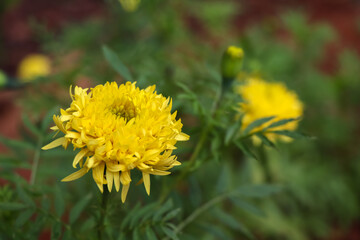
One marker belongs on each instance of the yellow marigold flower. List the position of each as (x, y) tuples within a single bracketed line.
[(33, 66), (265, 99), (119, 128), (130, 5)]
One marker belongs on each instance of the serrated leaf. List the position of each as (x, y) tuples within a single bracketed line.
[(150, 234), (29, 125), (12, 206), (246, 150), (260, 191), (292, 134), (265, 140), (24, 217), (171, 214), (78, 208), (56, 231), (257, 123), (115, 62), (59, 202), (281, 122), (169, 232), (248, 207)]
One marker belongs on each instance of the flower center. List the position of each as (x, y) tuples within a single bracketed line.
[(123, 108)]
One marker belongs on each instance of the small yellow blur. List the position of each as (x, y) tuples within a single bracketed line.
[(34, 66)]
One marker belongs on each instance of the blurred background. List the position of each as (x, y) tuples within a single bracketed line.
[(311, 45)]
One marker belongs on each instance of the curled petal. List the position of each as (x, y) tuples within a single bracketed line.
[(75, 175), (55, 143)]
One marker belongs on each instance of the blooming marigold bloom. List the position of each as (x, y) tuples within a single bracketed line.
[(119, 128), (33, 66), (264, 99)]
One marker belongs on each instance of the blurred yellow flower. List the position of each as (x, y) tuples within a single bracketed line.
[(130, 5), (266, 99), (33, 66), (118, 129)]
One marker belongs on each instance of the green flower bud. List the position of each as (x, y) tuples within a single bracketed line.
[(231, 64)]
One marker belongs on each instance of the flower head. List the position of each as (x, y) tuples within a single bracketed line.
[(118, 129), (33, 66), (265, 99)]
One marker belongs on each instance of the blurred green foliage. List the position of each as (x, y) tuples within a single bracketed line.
[(178, 45)]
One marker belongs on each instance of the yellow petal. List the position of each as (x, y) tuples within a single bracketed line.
[(109, 179), (117, 181), (98, 175), (124, 192), (79, 156), (75, 175), (182, 137), (125, 178), (146, 178), (54, 143)]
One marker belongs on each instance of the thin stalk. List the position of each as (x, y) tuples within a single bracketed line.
[(104, 202), (36, 160), (201, 210)]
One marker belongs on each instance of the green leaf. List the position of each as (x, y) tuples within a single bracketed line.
[(88, 224), (258, 191), (215, 231), (48, 118), (257, 123), (166, 207), (24, 196), (281, 122), (247, 207), (222, 184), (292, 134), (115, 62), (232, 222), (59, 202), (12, 206), (129, 216), (246, 150), (140, 213), (265, 140), (171, 214), (56, 231), (150, 234), (29, 125), (45, 203), (67, 236), (136, 234), (16, 145), (169, 232), (78, 208), (24, 217), (232, 130)]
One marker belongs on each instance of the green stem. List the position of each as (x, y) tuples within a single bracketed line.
[(265, 164), (104, 202), (201, 210), (36, 160)]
